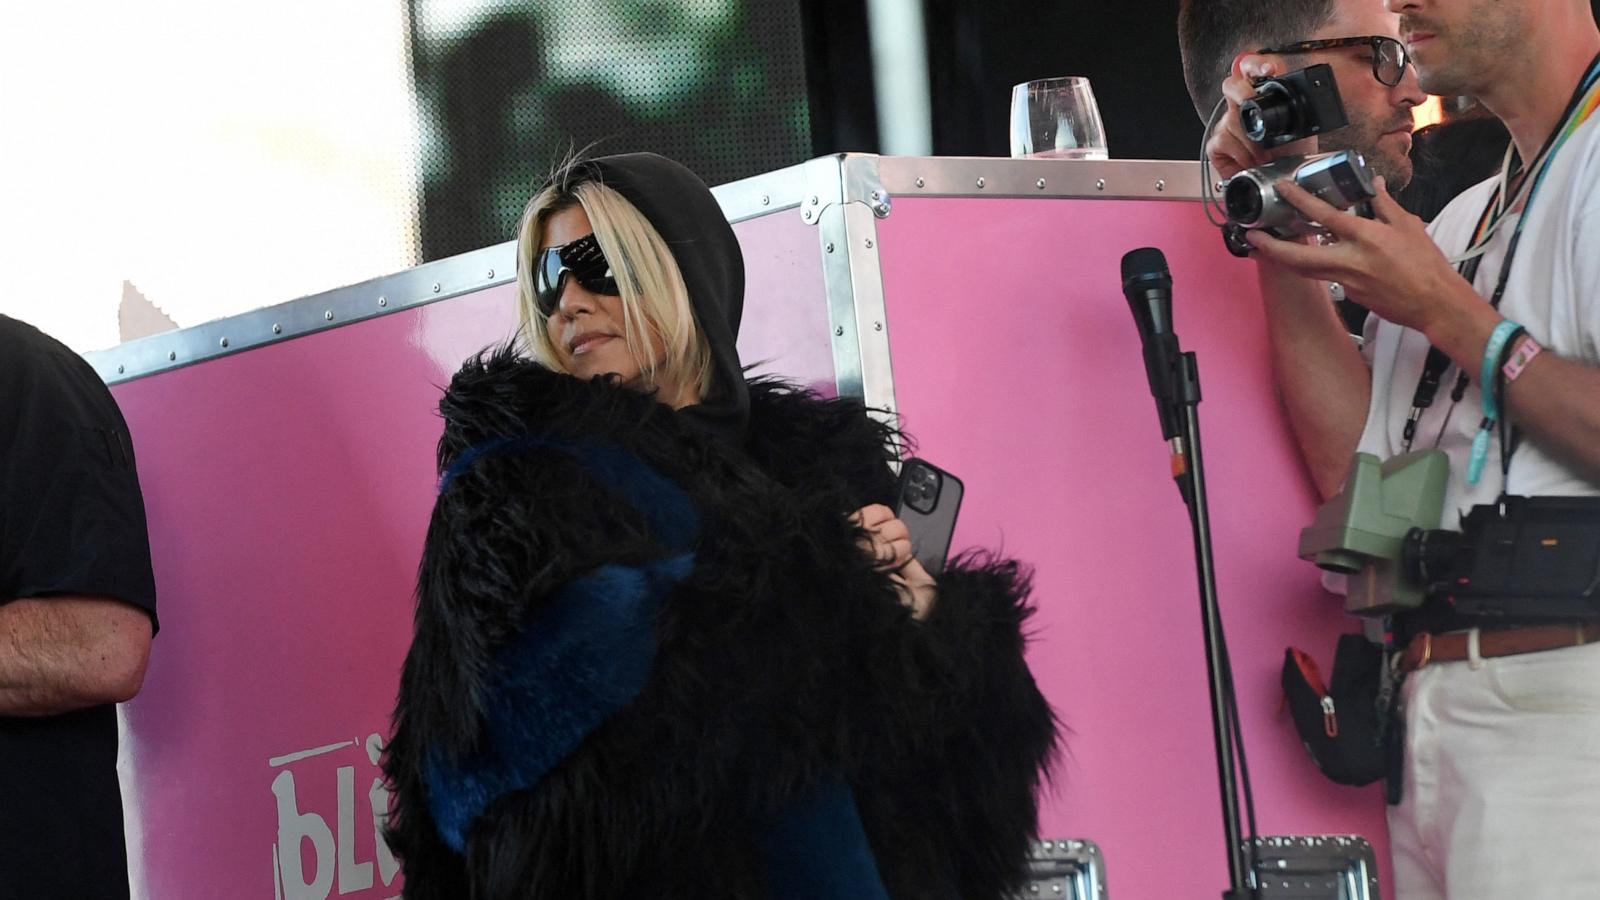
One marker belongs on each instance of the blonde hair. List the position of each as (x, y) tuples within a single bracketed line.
[(655, 299)]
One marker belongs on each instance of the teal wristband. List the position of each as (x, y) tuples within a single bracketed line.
[(1492, 353)]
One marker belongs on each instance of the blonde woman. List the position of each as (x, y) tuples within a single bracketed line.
[(670, 640)]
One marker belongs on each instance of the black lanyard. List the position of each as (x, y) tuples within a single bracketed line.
[(1438, 362)]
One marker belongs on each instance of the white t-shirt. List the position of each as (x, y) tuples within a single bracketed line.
[(1554, 292)]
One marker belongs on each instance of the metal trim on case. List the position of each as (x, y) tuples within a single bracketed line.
[(760, 195), (419, 286), (847, 231), (1072, 869), (1316, 867), (1121, 179)]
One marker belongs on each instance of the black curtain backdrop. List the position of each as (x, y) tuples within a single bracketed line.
[(839, 80), (1129, 51)]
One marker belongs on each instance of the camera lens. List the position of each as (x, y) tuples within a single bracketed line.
[(1250, 118), (1269, 114), (1427, 557), (1243, 201)]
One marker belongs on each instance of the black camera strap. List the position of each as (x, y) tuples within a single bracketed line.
[(1437, 362)]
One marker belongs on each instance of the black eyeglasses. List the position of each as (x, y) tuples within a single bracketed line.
[(583, 260), (1389, 57)]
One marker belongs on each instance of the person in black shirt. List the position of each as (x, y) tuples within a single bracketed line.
[(77, 613)]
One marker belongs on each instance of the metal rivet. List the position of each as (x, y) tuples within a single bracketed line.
[(172, 356), (830, 246), (921, 183), (1040, 183), (490, 275), (813, 201), (436, 287), (383, 301), (1219, 186), (839, 332), (980, 182), (328, 315), (766, 200), (869, 243), (1161, 184), (808, 215), (877, 326), (224, 342), (880, 203), (121, 369), (277, 329), (1100, 185)]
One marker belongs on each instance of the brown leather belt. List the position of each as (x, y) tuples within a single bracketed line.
[(1431, 648)]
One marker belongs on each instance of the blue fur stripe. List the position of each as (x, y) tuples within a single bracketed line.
[(668, 510), (588, 655), (818, 850)]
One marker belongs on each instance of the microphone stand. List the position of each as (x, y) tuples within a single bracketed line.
[(1189, 472)]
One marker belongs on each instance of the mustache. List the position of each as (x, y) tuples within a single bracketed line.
[(1410, 24)]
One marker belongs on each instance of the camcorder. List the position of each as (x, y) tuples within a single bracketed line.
[(1524, 558), (1288, 108), (1341, 179)]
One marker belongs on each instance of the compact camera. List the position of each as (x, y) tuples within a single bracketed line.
[(1293, 106), (1342, 179)]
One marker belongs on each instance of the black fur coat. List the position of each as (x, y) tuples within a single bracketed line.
[(781, 661)]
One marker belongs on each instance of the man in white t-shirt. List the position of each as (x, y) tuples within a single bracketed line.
[(1501, 793)]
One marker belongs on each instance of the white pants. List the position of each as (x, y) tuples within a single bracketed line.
[(1502, 779)]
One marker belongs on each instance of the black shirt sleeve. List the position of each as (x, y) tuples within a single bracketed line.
[(72, 518)]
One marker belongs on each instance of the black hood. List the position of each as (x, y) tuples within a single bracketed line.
[(682, 209)]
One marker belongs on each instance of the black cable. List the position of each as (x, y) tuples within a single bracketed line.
[(1236, 733)]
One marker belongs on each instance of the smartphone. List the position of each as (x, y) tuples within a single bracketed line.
[(927, 500)]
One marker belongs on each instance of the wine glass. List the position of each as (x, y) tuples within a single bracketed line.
[(1056, 118)]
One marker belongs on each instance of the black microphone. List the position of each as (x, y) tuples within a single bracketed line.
[(1148, 287)]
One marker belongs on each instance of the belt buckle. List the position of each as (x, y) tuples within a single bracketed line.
[(1410, 660)]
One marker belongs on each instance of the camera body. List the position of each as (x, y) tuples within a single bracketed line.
[(1341, 179), (1526, 558), (1362, 531), (1293, 106)]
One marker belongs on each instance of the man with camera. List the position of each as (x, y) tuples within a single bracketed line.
[(1483, 344), (1221, 40)]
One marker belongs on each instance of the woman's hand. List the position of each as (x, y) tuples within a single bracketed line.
[(887, 543), (917, 588)]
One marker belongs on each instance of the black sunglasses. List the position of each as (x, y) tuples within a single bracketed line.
[(583, 260), (1389, 57)]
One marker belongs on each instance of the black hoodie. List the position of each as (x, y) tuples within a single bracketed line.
[(683, 210)]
